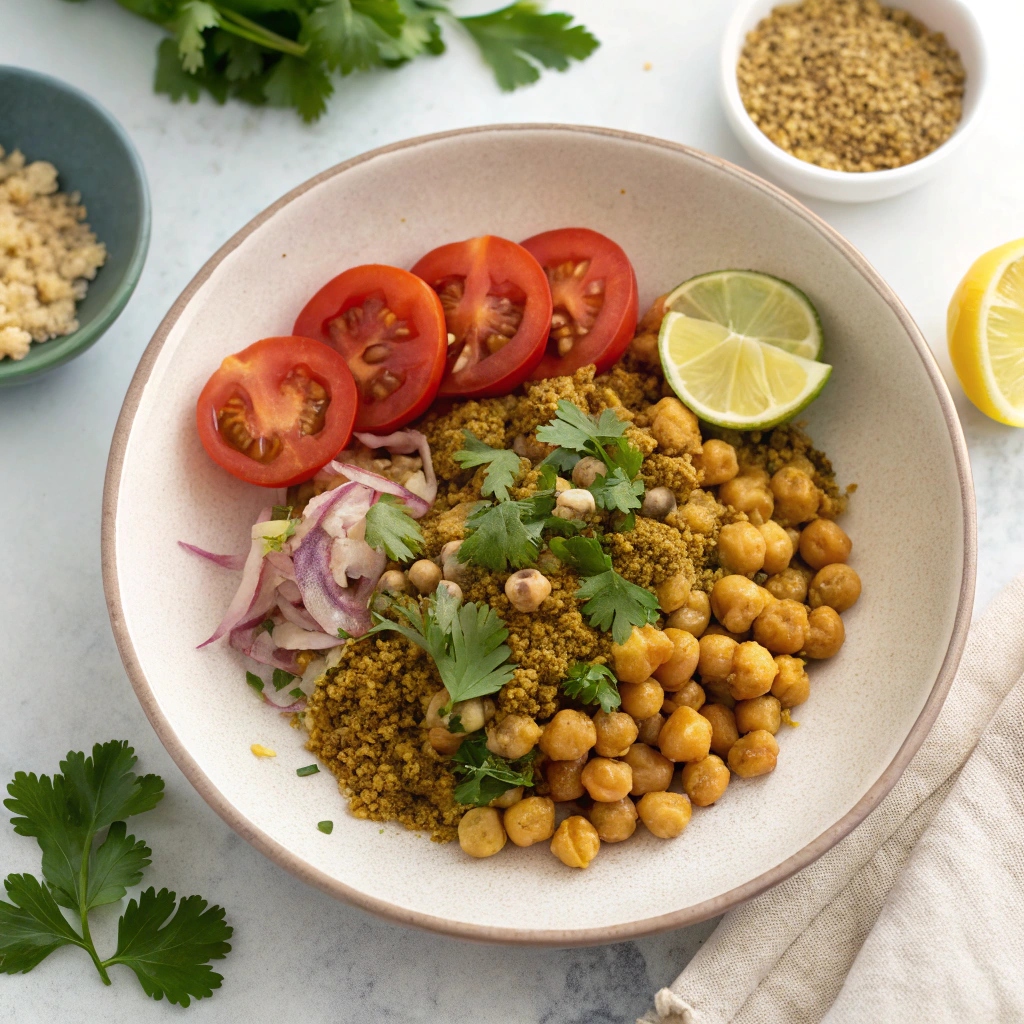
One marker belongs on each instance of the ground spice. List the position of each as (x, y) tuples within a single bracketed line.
[(850, 85)]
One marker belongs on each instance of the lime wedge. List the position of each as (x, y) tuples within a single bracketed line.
[(732, 380), (753, 305)]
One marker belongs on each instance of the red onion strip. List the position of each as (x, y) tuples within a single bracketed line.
[(234, 562)]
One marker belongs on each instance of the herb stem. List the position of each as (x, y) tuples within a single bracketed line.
[(243, 27), (83, 888)]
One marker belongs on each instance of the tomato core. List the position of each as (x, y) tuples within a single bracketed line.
[(576, 304)]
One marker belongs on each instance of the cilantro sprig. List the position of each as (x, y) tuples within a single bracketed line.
[(611, 602), (502, 465), (508, 533), (391, 528), (89, 861), (286, 52), (487, 775), (465, 639), (593, 684)]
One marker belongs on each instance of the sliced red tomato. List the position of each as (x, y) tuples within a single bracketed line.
[(497, 305), (279, 410), (594, 299), (389, 326)]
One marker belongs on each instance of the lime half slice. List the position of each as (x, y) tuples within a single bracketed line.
[(752, 305), (732, 380)]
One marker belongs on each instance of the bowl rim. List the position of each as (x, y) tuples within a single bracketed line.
[(525, 936), (743, 123), (68, 346)]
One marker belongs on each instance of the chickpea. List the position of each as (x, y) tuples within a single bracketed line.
[(616, 733), (527, 590), (607, 780), (393, 582), (717, 462), (748, 494), (526, 446), (792, 685), (705, 781), (641, 700), (443, 741), (587, 470), (576, 842), (615, 821), (754, 754), (719, 693), (823, 543), (715, 660), (452, 569), (513, 737), (438, 701), (690, 695), (778, 547), (676, 672), (658, 502), (788, 585), (753, 671), (674, 592), (568, 736), (698, 515), (425, 575), (575, 503), (825, 633), (651, 771), (453, 588), (736, 602), (723, 727), (675, 428), (481, 833), (764, 712), (693, 616), (650, 729), (741, 548), (836, 585), (686, 736), (531, 821), (508, 798), (796, 497), (665, 814), (565, 779), (646, 649), (782, 628), (794, 535)]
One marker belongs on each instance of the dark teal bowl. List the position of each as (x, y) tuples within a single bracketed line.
[(49, 120)]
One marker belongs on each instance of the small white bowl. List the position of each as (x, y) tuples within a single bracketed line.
[(963, 33)]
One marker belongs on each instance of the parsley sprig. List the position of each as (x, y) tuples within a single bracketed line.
[(508, 533), (593, 684), (487, 775), (465, 639), (502, 465), (611, 602), (89, 861), (391, 528), (285, 52)]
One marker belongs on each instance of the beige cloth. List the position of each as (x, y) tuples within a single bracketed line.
[(918, 914)]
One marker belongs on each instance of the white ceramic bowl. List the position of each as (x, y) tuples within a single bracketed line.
[(885, 418), (963, 33)]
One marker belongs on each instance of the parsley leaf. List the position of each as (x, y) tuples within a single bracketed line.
[(118, 863), (574, 429), (347, 34), (31, 925), (487, 775), (503, 465), (593, 684), (254, 681), (391, 528), (616, 491), (584, 554), (281, 679), (506, 534), (301, 84), (515, 39), (193, 18), (466, 641)]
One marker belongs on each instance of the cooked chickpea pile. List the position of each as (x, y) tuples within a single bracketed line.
[(707, 694)]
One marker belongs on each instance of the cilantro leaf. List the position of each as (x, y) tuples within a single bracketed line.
[(299, 83), (516, 38), (281, 678), (254, 681), (118, 863), (505, 534), (593, 684), (487, 775), (420, 33), (194, 16), (614, 604), (574, 429), (503, 465), (616, 491), (348, 34), (174, 81), (170, 958), (391, 528), (31, 925), (584, 554)]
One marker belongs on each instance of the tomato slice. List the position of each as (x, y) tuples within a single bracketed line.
[(594, 295), (389, 326), (276, 412), (497, 305)]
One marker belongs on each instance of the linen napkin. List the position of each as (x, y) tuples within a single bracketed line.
[(918, 914)]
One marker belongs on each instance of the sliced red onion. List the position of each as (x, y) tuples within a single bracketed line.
[(351, 500), (282, 563), (353, 559), (293, 611), (234, 562), (256, 643), (255, 594), (286, 709), (405, 442), (290, 637), (417, 506)]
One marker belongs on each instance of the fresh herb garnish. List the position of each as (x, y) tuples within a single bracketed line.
[(344, 634), (507, 533), (281, 678), (390, 528), (254, 681), (612, 602), (267, 625), (327, 827), (296, 693), (466, 641), (487, 775), (284, 52), (310, 769), (275, 532), (593, 684), (84, 868), (279, 512), (502, 465)]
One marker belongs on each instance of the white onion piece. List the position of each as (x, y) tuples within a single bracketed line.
[(234, 562), (293, 611), (405, 442), (352, 559), (290, 637), (351, 500)]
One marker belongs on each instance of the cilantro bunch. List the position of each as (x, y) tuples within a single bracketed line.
[(89, 860), (285, 52)]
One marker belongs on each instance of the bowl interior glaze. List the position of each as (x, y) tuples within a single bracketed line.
[(885, 419)]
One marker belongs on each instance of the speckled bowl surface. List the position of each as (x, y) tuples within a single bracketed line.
[(886, 420), (50, 120)]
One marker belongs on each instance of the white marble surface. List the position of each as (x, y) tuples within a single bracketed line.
[(298, 955)]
